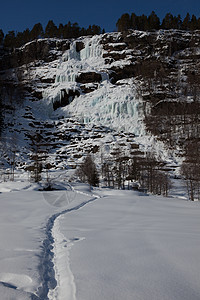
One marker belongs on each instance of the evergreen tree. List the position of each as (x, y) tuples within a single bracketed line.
[(134, 21), (186, 22), (177, 22), (124, 23), (51, 30), (168, 21), (193, 23), (60, 30), (36, 32), (89, 30), (1, 36), (142, 22), (93, 30), (96, 29), (9, 40), (83, 31), (26, 36), (19, 40), (67, 31), (153, 21), (22, 38), (75, 30)]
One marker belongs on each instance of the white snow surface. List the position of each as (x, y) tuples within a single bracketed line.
[(108, 244)]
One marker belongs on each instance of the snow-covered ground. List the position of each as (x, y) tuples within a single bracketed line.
[(74, 244)]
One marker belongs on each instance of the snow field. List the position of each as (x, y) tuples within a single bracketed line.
[(24, 214), (135, 247), (108, 245), (65, 288)]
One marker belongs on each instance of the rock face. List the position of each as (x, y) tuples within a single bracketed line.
[(89, 77), (34, 51), (175, 108), (143, 83), (66, 98), (79, 46)]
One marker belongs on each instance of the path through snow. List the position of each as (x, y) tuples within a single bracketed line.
[(65, 285)]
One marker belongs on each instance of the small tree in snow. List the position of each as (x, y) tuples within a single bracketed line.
[(36, 167), (87, 171), (191, 174)]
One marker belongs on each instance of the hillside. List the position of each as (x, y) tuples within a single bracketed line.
[(117, 94), (91, 129)]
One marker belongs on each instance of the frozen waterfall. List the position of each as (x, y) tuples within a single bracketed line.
[(73, 61), (115, 106)]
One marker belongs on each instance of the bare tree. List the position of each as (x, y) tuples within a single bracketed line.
[(107, 173), (87, 171), (191, 175), (190, 169), (36, 167)]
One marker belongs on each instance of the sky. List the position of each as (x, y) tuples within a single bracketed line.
[(21, 14)]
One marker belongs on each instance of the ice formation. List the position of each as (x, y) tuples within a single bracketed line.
[(116, 106)]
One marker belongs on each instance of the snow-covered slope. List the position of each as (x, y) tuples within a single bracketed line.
[(116, 96), (115, 82)]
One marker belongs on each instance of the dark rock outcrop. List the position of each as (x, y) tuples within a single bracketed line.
[(88, 89), (66, 98), (176, 108), (89, 77), (34, 51), (79, 46)]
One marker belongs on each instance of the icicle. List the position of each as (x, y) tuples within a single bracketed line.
[(92, 49)]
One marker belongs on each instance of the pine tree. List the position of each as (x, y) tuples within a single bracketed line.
[(37, 32), (96, 29), (9, 40), (67, 31), (75, 30), (51, 30), (1, 36), (177, 22), (193, 23), (153, 21), (60, 30), (143, 22), (186, 22), (134, 21), (22, 38), (168, 21), (124, 23)]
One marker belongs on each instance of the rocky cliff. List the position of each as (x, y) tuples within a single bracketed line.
[(101, 93)]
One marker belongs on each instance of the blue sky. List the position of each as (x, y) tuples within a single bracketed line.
[(21, 14)]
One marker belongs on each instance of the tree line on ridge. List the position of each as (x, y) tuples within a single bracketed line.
[(152, 22), (15, 40), (72, 30)]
